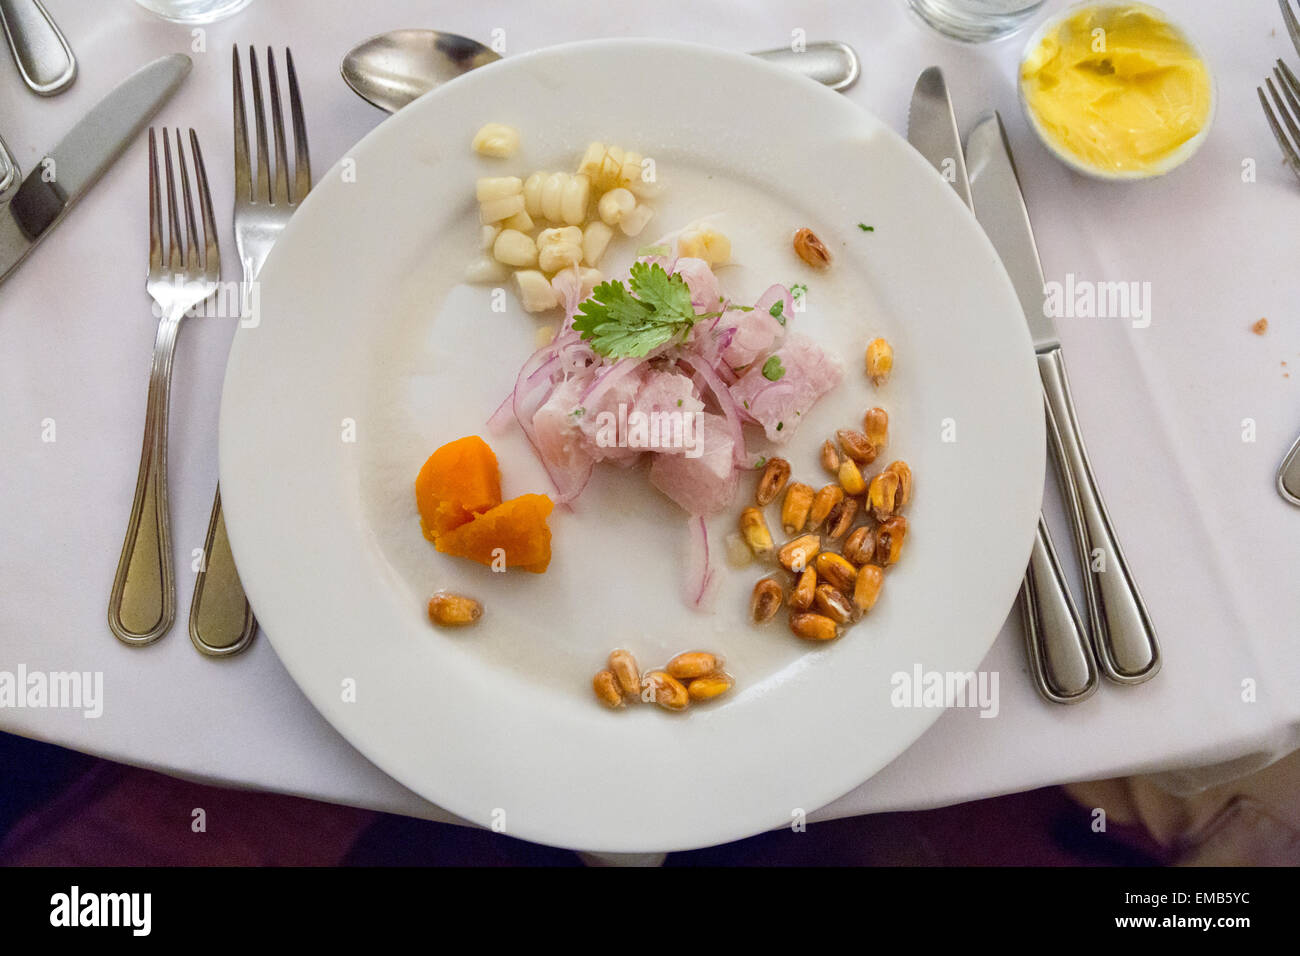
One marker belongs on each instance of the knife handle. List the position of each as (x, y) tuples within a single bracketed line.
[(221, 619), (39, 47), (1123, 637), (142, 606), (1060, 663)]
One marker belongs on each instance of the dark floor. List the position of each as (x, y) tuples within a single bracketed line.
[(60, 807)]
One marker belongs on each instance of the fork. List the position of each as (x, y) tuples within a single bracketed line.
[(142, 606), (221, 619)]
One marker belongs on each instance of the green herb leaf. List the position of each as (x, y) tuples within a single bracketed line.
[(865, 228), (629, 321), (778, 311), (773, 370)]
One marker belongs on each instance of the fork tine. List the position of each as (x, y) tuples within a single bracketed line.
[(243, 172), (177, 251), (192, 264), (211, 254), (277, 126), (1287, 119), (263, 193), (302, 164), (1292, 26), (1289, 79), (155, 206), (1288, 151)]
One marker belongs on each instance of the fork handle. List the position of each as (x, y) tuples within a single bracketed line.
[(221, 619), (1060, 662), (1123, 636), (142, 606)]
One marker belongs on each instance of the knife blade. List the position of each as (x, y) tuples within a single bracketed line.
[(56, 183), (1124, 638), (1060, 663)]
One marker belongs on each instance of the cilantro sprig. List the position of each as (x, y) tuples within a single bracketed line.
[(631, 320)]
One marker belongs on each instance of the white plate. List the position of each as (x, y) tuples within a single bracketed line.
[(367, 333)]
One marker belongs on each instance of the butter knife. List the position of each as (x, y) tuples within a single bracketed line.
[(62, 177), (1123, 637), (1060, 664)]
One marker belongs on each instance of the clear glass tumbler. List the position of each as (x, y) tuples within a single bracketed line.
[(193, 11), (976, 21)]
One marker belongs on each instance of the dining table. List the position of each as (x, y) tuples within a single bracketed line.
[(1187, 405)]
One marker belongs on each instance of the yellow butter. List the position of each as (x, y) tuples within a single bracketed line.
[(1118, 87)]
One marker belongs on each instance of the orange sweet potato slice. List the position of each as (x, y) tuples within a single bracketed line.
[(460, 479), (518, 527)]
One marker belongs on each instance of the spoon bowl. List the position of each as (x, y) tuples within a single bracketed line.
[(393, 69)]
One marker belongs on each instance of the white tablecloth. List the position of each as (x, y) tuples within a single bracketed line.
[(1163, 408)]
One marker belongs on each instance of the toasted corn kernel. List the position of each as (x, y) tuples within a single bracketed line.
[(766, 600), (889, 539), (841, 518), (826, 499), (605, 684), (811, 249), (904, 473), (662, 688), (623, 666), (693, 664), (875, 424), (799, 553), (832, 602), (860, 546), (453, 610), (753, 528), (835, 569), (814, 627), (801, 597), (866, 589), (707, 688), (851, 479), (795, 508), (882, 496), (772, 482), (830, 457), (856, 446), (880, 361)]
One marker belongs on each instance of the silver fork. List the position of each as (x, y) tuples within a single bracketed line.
[(221, 619), (142, 606)]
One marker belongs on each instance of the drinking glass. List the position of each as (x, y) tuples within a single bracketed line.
[(193, 11), (976, 21)]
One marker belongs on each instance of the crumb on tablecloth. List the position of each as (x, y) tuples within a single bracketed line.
[(1260, 327)]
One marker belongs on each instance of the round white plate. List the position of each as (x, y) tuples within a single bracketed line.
[(371, 353)]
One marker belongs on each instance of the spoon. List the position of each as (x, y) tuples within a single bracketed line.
[(392, 69), (43, 56)]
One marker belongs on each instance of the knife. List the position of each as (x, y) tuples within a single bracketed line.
[(1123, 637), (1060, 663), (61, 178), (9, 174)]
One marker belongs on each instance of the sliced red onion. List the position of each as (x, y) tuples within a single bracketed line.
[(701, 581)]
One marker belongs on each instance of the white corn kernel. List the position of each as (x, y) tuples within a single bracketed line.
[(535, 293), (574, 199), (588, 279), (589, 165), (521, 221), (630, 171), (705, 243), (487, 236), (560, 235), (553, 195), (558, 255), (633, 222), (614, 205), (497, 187), (533, 194), (545, 335), (496, 140), (595, 240), (494, 210), (486, 269), (514, 248)]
